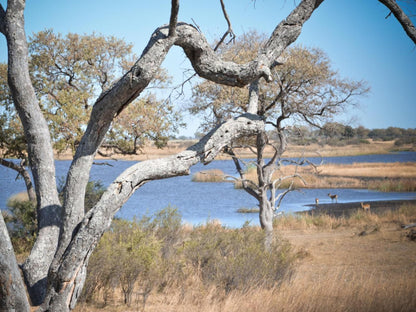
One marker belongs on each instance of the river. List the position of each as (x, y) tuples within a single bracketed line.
[(199, 202)]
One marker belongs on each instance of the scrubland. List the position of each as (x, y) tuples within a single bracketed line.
[(365, 262)]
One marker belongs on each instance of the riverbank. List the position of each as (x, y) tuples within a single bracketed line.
[(150, 151), (338, 210)]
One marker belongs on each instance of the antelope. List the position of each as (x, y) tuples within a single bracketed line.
[(366, 207), (333, 196), (316, 201)]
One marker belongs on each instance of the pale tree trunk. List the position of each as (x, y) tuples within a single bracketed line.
[(264, 177), (12, 289), (40, 151)]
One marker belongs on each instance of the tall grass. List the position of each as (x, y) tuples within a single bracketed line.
[(385, 177), (213, 175), (332, 269), (157, 255)]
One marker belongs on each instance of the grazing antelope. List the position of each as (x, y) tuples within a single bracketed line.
[(333, 196), (316, 201), (366, 207)]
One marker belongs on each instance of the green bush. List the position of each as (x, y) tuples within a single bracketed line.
[(21, 223), (158, 252), (21, 216), (235, 258)]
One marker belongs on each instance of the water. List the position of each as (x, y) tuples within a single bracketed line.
[(199, 202)]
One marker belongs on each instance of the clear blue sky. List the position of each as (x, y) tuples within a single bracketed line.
[(361, 43)]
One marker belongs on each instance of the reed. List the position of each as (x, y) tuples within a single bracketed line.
[(213, 175), (248, 210), (385, 177)]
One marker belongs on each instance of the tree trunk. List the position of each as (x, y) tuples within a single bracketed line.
[(12, 291), (64, 279), (40, 152), (266, 220)]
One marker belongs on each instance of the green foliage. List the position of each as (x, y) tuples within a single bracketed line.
[(21, 223), (68, 74), (158, 252), (21, 216), (127, 254)]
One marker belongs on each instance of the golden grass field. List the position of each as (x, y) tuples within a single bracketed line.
[(399, 177), (362, 263)]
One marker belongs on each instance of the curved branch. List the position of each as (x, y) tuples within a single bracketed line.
[(99, 218), (289, 30), (403, 19)]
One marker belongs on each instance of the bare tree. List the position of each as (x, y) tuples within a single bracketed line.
[(54, 272), (305, 89)]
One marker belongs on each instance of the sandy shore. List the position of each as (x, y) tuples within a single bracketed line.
[(346, 209)]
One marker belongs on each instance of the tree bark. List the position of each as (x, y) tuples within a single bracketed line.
[(12, 291), (403, 19), (39, 150), (67, 276)]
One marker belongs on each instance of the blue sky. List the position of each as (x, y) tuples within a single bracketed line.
[(360, 42)]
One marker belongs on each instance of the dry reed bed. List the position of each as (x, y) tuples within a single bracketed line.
[(378, 176)]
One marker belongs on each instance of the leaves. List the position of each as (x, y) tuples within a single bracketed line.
[(304, 88)]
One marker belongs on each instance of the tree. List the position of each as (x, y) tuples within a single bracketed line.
[(304, 89), (67, 74), (54, 272)]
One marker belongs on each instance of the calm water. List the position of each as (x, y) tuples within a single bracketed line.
[(199, 202)]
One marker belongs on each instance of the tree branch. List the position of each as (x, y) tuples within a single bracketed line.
[(98, 219), (403, 19), (2, 20), (173, 18), (288, 30), (229, 30)]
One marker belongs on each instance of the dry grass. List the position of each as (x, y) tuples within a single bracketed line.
[(385, 177), (213, 175), (372, 170), (150, 151), (340, 270)]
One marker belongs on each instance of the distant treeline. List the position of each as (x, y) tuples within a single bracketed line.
[(338, 134), (334, 133)]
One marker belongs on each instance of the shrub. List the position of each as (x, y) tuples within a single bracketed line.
[(21, 223), (236, 259), (159, 253)]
